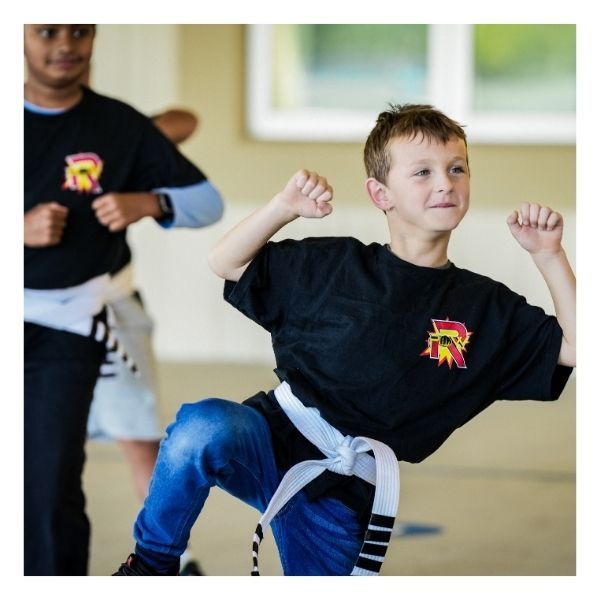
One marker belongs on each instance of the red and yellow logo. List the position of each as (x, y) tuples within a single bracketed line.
[(82, 173), (447, 343)]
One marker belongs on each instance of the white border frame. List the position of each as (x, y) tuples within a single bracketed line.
[(450, 83)]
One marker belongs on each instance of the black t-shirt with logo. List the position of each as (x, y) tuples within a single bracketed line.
[(101, 145), (390, 350)]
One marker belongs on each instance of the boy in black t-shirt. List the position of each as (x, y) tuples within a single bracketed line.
[(93, 166), (382, 352)]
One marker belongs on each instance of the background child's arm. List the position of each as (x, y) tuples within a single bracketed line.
[(540, 233), (306, 194)]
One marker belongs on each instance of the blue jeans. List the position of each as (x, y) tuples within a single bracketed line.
[(223, 443)]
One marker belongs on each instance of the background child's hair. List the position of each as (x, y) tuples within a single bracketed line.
[(405, 120)]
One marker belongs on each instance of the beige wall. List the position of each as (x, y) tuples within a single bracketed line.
[(138, 64), (202, 67)]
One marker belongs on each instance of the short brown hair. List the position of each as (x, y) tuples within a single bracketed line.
[(405, 120)]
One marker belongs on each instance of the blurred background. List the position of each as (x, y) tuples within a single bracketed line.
[(499, 497)]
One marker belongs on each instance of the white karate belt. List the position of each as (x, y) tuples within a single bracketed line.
[(347, 456), (73, 309)]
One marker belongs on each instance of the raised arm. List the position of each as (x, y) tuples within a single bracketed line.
[(539, 231), (306, 194)]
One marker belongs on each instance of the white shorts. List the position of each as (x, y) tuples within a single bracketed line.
[(125, 406)]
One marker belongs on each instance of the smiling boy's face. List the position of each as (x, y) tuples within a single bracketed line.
[(427, 188), (58, 55)]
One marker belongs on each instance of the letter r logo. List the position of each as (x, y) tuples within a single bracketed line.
[(447, 342)]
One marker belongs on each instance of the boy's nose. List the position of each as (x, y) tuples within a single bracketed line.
[(443, 184), (64, 40)]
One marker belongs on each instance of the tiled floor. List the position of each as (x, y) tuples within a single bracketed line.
[(497, 499)]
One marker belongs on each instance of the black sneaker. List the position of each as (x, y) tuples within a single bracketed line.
[(134, 566), (191, 568)]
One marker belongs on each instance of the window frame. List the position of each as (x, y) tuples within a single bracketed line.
[(450, 65)]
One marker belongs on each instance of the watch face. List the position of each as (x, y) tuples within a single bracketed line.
[(165, 205)]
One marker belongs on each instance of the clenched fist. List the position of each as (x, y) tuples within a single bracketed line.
[(117, 211), (44, 224), (307, 194), (539, 230)]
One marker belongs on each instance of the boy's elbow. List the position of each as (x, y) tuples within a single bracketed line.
[(568, 355), (228, 272), (214, 264)]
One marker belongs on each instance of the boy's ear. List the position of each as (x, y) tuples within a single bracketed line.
[(378, 193)]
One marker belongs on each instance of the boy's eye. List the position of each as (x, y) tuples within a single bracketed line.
[(422, 172), (47, 32), (457, 169), (82, 32)]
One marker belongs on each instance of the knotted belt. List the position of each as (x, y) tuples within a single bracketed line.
[(345, 455)]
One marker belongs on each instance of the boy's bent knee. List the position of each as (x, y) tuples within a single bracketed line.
[(201, 424), (207, 414)]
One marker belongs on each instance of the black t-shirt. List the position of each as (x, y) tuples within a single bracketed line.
[(390, 350), (99, 146)]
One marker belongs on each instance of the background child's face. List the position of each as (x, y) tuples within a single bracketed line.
[(58, 55), (428, 184)]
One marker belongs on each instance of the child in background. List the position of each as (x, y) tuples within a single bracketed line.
[(93, 166)]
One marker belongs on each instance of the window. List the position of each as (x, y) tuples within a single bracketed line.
[(524, 68), (507, 83)]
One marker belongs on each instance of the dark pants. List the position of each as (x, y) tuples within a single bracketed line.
[(60, 373)]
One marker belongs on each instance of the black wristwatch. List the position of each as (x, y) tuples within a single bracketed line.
[(166, 207)]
